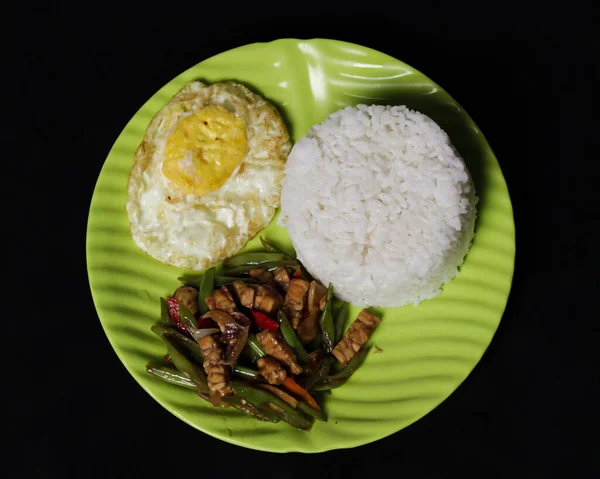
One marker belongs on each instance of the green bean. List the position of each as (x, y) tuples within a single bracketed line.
[(340, 321), (245, 372), (251, 258), (319, 374), (192, 280), (187, 319), (206, 288), (255, 346), (291, 337), (189, 346), (165, 317), (193, 371), (269, 265), (244, 406), (337, 380), (306, 409), (169, 374), (273, 249), (221, 280), (265, 401), (326, 322), (316, 343)]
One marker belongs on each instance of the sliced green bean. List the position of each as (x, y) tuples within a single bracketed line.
[(340, 321), (189, 321), (252, 258), (194, 371), (255, 346), (306, 409), (221, 280), (326, 322), (245, 372), (291, 337), (273, 249), (264, 401), (169, 374), (337, 380), (244, 406), (269, 265), (192, 280), (165, 317), (189, 347), (320, 373), (206, 288)]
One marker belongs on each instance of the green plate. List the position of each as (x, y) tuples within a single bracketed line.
[(425, 351)]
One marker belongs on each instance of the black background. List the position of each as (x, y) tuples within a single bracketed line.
[(527, 75)]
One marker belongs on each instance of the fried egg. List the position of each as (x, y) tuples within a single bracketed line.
[(207, 176)]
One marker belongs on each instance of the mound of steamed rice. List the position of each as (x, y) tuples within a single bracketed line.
[(377, 201)]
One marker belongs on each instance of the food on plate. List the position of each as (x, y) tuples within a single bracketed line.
[(356, 336), (377, 202), (207, 176), (246, 354)]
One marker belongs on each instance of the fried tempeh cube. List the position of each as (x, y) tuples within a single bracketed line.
[(356, 336), (221, 299), (278, 348), (217, 374), (295, 299)]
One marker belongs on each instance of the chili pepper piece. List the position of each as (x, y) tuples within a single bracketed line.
[(263, 321), (173, 306)]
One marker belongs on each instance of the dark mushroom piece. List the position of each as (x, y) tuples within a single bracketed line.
[(233, 334)]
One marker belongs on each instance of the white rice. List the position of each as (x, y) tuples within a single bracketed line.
[(377, 201)]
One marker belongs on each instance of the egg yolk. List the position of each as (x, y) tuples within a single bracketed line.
[(205, 149)]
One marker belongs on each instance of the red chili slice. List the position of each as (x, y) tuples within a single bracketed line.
[(173, 305), (264, 322)]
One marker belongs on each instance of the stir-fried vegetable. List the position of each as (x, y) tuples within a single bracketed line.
[(262, 337), (337, 380), (170, 375), (255, 259), (340, 320), (293, 387), (222, 280), (266, 401), (206, 288), (173, 306), (273, 249), (290, 337), (186, 344), (326, 321), (187, 319), (187, 367), (255, 346), (264, 322), (245, 372)]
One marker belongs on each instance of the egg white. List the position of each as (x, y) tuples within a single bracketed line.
[(191, 231)]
